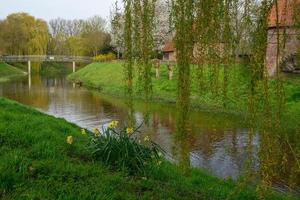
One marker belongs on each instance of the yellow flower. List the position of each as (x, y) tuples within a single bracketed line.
[(113, 124), (83, 132), (159, 163), (129, 131), (96, 132), (70, 139), (147, 139)]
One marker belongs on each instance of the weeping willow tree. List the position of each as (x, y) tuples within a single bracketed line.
[(267, 102), (39, 41), (138, 43), (183, 16), (129, 59), (22, 34)]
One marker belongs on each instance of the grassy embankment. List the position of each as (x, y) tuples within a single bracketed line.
[(108, 78), (37, 163), (8, 72)]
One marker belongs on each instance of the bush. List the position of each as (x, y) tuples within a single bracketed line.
[(104, 57)]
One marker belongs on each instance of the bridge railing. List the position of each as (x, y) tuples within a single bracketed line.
[(45, 58)]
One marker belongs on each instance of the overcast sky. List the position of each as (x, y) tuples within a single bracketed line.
[(50, 9)]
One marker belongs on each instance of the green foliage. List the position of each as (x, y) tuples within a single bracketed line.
[(22, 34)]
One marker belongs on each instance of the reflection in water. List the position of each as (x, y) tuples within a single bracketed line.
[(217, 143), (29, 81)]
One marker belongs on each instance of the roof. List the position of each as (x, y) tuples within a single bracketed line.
[(286, 13), (168, 47)]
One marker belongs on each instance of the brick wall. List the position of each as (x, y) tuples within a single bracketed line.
[(290, 46)]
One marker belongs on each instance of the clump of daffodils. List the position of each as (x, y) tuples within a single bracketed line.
[(120, 148), (70, 140)]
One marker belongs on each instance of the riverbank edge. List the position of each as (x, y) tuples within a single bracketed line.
[(15, 73), (197, 184)]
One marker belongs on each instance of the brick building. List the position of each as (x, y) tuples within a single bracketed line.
[(288, 14), (169, 51)]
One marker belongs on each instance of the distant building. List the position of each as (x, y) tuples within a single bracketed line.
[(169, 51), (288, 12)]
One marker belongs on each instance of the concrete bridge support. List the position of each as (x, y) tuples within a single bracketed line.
[(29, 67), (74, 67)]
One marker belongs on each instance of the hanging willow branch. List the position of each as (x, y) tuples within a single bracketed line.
[(129, 60), (137, 43), (147, 27), (183, 21), (128, 53)]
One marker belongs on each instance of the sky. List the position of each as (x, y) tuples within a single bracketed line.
[(51, 9)]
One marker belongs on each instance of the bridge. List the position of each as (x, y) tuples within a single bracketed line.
[(46, 58)]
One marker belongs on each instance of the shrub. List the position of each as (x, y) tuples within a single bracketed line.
[(104, 57)]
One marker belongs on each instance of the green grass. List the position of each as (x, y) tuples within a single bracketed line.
[(37, 163), (108, 77), (8, 72)]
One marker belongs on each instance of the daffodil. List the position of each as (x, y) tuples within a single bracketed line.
[(83, 132), (129, 131), (96, 132), (70, 140), (113, 124), (147, 139)]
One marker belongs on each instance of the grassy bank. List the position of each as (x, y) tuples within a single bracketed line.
[(206, 95), (8, 72), (109, 79), (37, 163)]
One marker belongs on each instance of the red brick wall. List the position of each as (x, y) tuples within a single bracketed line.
[(288, 10)]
